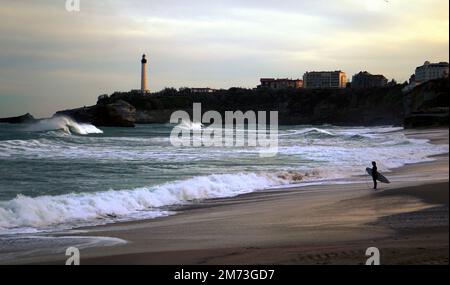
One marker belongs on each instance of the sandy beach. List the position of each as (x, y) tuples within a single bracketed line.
[(406, 220), (227, 140)]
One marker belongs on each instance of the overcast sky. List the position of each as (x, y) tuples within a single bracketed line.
[(51, 59)]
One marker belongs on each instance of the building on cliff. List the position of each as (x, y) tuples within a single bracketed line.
[(364, 80), (429, 71), (324, 79), (282, 83), (426, 72)]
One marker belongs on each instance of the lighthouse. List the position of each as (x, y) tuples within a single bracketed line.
[(144, 88)]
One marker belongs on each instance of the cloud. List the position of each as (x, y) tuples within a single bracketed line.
[(67, 59)]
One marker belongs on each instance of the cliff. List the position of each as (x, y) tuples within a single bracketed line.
[(427, 105), (295, 106), (376, 106), (117, 113), (27, 118)]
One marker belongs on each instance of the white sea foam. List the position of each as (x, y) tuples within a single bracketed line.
[(72, 209), (65, 124), (188, 125), (17, 249), (335, 152), (306, 131)]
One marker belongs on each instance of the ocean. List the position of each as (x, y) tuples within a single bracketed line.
[(58, 174)]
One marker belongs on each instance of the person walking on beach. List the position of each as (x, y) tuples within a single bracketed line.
[(374, 174)]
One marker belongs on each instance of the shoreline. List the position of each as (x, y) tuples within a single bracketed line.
[(320, 224)]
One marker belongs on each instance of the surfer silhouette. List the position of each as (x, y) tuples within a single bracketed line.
[(374, 174)]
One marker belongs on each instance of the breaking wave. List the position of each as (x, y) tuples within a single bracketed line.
[(310, 132), (74, 209), (188, 125), (65, 124), (145, 153)]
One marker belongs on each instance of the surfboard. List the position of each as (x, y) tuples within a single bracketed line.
[(380, 177)]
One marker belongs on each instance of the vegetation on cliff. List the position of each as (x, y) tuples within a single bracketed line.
[(295, 106), (425, 105)]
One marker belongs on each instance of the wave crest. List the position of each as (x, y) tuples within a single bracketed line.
[(65, 124), (75, 209)]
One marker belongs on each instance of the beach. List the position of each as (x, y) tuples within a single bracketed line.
[(234, 133), (406, 220)]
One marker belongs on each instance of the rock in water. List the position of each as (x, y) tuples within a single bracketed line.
[(115, 114), (118, 114), (27, 118)]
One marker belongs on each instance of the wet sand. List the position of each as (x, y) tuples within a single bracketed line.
[(406, 220)]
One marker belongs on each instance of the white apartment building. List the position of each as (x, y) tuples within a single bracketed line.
[(429, 71), (324, 79)]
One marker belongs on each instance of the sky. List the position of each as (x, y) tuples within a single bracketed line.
[(52, 59)]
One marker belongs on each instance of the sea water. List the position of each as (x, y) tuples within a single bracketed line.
[(58, 174)]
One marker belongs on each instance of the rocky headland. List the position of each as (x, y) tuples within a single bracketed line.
[(424, 106)]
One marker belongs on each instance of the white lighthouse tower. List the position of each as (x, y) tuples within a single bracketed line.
[(144, 88)]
